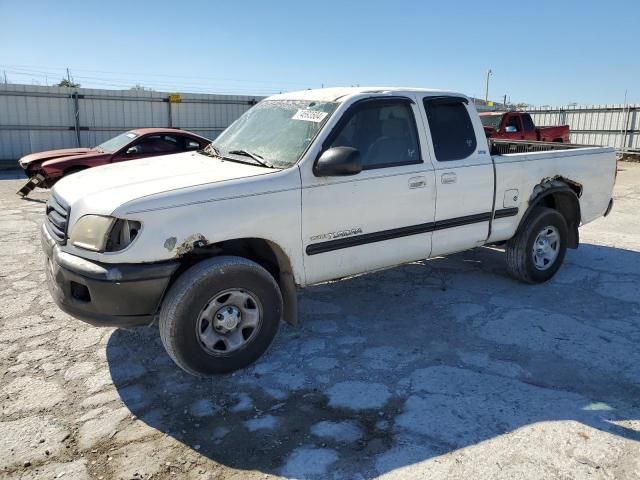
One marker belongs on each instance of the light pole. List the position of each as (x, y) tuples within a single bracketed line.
[(486, 91)]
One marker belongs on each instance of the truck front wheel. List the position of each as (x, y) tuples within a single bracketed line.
[(220, 315), (536, 252)]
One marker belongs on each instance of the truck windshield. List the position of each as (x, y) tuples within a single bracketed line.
[(277, 130), (492, 121), (116, 143)]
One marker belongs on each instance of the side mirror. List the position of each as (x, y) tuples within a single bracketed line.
[(132, 150), (338, 161), (510, 129)]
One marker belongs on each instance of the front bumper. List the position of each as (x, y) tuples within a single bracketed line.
[(30, 169), (115, 295)]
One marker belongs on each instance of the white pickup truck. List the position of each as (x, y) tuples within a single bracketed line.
[(307, 187)]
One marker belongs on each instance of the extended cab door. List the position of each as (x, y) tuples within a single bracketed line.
[(381, 216), (463, 171)]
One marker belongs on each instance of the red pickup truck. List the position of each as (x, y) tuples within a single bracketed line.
[(520, 126)]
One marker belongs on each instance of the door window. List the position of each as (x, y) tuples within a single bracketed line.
[(451, 129), (385, 133), (527, 123), (157, 144), (514, 123)]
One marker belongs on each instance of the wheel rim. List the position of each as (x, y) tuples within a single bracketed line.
[(546, 247), (229, 321)]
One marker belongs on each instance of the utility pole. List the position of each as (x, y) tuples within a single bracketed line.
[(504, 102), (625, 120), (5, 76), (68, 76), (486, 91)]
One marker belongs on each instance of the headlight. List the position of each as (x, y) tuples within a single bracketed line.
[(91, 232), (103, 234)]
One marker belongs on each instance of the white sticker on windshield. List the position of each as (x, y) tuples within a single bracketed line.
[(309, 115), (131, 135)]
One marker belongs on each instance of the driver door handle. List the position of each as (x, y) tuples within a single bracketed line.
[(417, 182)]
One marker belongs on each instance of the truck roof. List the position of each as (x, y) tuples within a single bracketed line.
[(340, 94)]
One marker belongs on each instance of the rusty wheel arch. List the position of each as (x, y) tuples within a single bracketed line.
[(265, 253), (561, 194)]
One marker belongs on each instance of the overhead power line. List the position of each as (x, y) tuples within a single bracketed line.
[(129, 78), (96, 82)]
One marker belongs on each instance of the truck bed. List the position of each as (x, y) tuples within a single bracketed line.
[(520, 165), (503, 147)]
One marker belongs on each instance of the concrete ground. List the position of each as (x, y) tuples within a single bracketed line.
[(438, 369)]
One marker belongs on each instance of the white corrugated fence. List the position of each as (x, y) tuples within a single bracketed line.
[(615, 125), (35, 118)]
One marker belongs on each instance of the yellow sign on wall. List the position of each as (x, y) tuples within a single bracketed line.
[(175, 98)]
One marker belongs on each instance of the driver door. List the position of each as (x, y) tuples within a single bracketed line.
[(381, 216)]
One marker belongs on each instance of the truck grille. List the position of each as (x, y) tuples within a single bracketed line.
[(57, 218)]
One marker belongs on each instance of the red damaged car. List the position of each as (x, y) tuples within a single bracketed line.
[(46, 168)]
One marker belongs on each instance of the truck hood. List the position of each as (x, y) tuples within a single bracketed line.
[(49, 154), (101, 190)]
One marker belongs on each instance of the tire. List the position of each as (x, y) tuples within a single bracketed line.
[(532, 267), (188, 327)]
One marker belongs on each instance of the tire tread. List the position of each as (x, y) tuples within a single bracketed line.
[(517, 250), (181, 289)]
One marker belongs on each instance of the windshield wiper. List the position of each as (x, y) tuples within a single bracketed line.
[(258, 158)]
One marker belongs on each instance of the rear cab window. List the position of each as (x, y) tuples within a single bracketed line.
[(527, 123), (452, 132)]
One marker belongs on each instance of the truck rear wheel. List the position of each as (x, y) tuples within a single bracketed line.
[(537, 251), (220, 315)]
